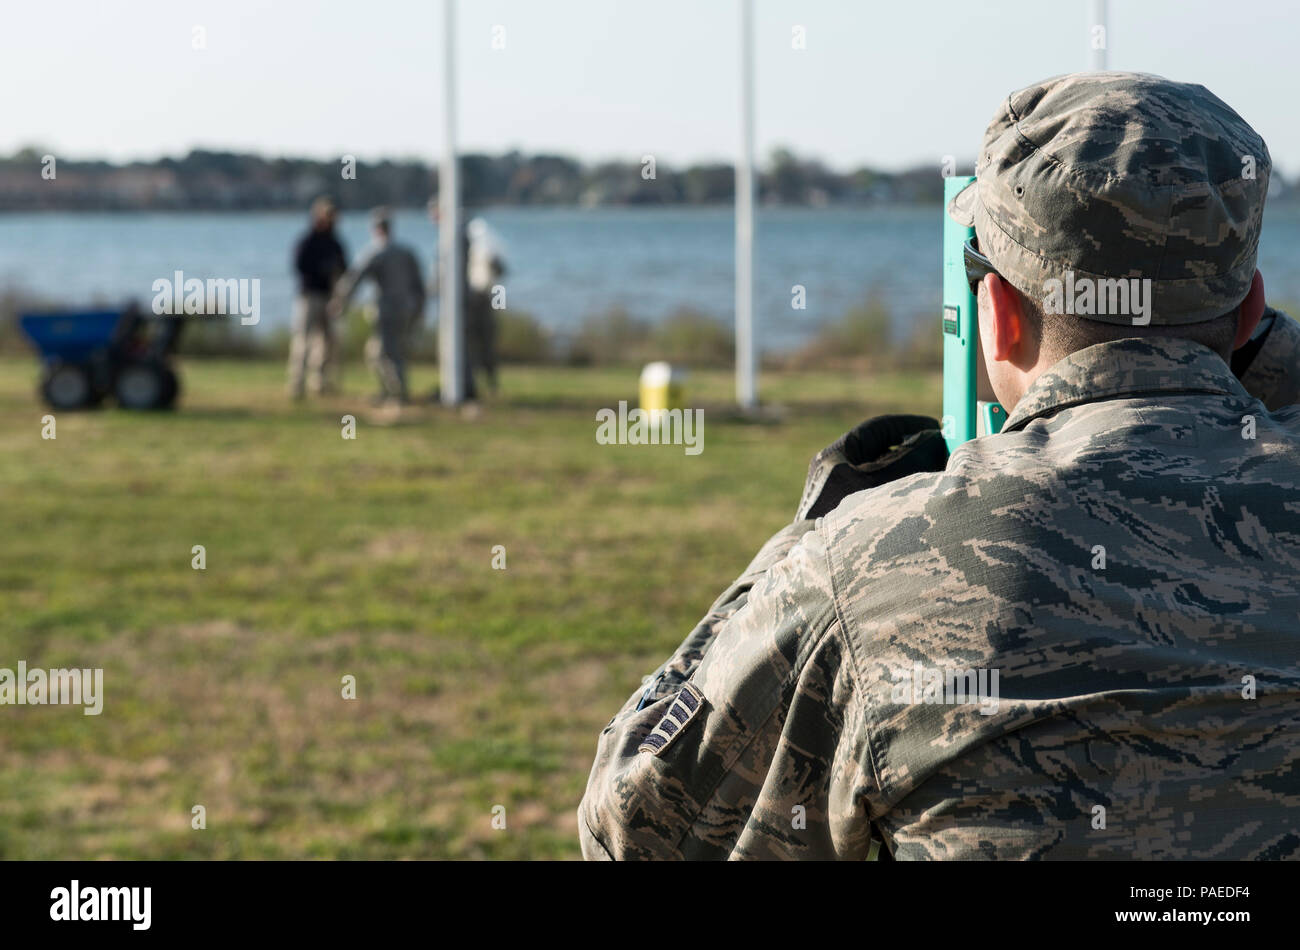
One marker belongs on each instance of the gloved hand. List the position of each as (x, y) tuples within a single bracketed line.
[(877, 451)]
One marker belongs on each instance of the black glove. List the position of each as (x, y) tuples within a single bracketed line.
[(877, 451), (1269, 364)]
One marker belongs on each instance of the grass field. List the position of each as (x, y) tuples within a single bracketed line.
[(372, 558)]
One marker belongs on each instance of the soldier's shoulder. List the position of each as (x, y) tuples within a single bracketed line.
[(897, 501), (867, 526), (885, 503), (918, 509)]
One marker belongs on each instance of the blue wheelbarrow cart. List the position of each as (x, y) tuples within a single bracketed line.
[(88, 354)]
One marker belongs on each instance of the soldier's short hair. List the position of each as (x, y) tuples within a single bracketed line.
[(1059, 335), (381, 220)]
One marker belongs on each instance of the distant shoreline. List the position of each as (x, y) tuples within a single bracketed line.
[(34, 179)]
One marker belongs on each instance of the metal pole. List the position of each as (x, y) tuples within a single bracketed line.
[(746, 367), (1098, 43), (450, 325)]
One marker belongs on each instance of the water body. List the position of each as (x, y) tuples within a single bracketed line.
[(565, 263)]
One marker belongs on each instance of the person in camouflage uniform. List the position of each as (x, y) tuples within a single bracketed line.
[(395, 271), (1078, 638)]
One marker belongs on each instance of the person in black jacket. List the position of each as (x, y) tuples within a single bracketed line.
[(319, 261)]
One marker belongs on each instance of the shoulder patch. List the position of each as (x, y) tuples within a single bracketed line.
[(685, 706)]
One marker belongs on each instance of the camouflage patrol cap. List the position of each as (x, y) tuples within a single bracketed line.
[(1121, 175)]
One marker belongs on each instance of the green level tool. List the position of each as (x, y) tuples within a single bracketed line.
[(965, 414)]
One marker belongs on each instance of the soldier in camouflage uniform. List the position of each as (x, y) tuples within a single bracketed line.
[(395, 272), (1114, 574)]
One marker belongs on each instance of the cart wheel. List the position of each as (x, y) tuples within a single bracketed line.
[(140, 386), (171, 388), (67, 386)]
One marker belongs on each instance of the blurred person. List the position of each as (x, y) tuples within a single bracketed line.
[(319, 260), (400, 306), (483, 268)]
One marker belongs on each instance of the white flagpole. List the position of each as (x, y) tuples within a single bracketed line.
[(450, 329), (746, 366), (1098, 43)]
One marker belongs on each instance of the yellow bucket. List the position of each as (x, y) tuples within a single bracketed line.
[(661, 387)]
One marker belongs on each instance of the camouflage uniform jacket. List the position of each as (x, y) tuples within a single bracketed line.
[(396, 274), (1125, 556)]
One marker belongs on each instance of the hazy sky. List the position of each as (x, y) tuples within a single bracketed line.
[(882, 83)]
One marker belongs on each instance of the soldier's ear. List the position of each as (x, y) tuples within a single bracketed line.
[(1007, 328), (1252, 309)]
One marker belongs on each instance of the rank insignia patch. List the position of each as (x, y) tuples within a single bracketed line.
[(684, 707)]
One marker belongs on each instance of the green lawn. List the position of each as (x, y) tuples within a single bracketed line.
[(372, 558)]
